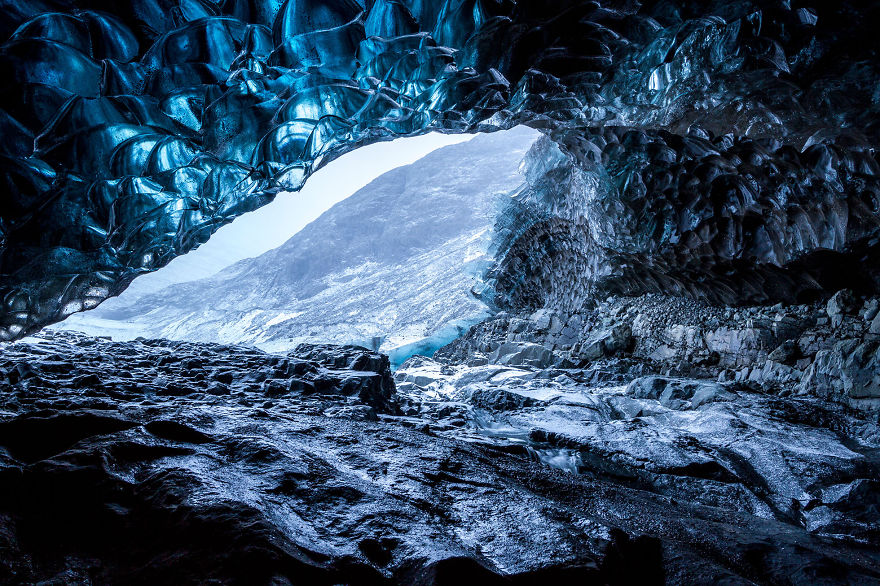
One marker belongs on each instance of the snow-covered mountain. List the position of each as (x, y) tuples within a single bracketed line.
[(391, 267)]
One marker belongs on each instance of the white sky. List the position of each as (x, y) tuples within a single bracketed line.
[(270, 226)]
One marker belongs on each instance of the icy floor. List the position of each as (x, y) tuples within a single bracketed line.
[(790, 458), (205, 444)]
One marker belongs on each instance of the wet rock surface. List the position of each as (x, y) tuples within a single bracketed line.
[(157, 462), (829, 350), (793, 460)]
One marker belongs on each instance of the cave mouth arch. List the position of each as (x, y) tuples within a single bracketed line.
[(383, 248), (133, 132), (724, 150)]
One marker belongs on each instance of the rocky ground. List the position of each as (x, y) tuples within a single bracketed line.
[(829, 350), (168, 462)]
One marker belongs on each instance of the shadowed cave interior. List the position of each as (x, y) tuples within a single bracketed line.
[(677, 374)]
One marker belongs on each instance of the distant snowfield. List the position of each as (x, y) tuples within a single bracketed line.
[(390, 267)]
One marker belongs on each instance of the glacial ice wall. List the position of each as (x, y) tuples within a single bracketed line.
[(725, 136), (729, 219)]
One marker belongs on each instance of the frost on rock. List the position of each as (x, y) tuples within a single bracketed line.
[(727, 136)]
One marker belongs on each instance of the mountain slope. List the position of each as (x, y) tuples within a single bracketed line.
[(390, 267)]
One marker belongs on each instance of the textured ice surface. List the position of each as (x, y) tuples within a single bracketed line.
[(131, 131)]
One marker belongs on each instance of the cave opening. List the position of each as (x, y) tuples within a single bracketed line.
[(359, 256), (654, 348)]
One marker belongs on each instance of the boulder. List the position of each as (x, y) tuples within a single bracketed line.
[(497, 399), (526, 354), (785, 352), (870, 309), (848, 373), (841, 303), (874, 328), (676, 393), (607, 342)]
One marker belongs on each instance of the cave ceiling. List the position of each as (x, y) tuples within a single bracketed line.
[(717, 148)]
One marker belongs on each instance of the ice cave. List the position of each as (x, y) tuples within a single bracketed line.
[(628, 334)]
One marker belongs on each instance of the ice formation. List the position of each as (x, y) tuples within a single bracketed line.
[(719, 148)]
